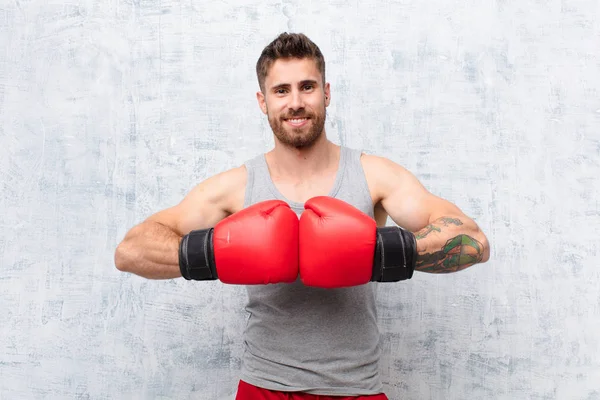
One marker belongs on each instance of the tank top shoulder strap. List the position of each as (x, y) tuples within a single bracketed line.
[(353, 186), (257, 174)]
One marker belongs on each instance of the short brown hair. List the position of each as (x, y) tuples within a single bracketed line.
[(288, 45)]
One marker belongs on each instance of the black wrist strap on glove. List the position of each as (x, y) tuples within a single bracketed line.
[(395, 255), (196, 256)]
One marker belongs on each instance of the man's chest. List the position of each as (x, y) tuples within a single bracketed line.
[(301, 191)]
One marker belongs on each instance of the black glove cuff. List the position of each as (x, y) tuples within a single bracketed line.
[(395, 255), (196, 256)]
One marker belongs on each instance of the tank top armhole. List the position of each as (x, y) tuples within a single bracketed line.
[(363, 180), (249, 183)]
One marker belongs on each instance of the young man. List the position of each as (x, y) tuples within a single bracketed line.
[(303, 226)]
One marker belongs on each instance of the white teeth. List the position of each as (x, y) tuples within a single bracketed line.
[(297, 120)]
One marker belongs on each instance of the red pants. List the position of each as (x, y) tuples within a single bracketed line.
[(247, 391)]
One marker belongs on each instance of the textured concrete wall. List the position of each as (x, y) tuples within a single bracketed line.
[(112, 110)]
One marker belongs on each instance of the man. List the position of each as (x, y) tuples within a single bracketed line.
[(303, 226)]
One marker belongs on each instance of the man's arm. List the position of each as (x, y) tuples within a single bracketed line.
[(150, 249), (447, 239)]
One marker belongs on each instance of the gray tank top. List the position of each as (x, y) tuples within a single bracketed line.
[(299, 338)]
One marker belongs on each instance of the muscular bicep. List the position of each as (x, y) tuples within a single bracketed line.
[(415, 210), (205, 205), (195, 211), (408, 203)]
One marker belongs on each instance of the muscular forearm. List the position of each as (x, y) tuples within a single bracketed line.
[(151, 251), (450, 244)]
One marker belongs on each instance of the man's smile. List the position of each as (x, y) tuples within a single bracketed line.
[(297, 122)]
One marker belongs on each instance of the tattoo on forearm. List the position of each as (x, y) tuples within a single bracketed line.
[(458, 253), (445, 221), (427, 230)]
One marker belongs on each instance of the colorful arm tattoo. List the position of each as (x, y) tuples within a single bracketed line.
[(458, 251), (432, 227)]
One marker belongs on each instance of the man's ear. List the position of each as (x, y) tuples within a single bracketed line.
[(327, 94), (261, 102)]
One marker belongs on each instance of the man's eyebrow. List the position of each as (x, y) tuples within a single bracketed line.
[(287, 85), (308, 81), (280, 86)]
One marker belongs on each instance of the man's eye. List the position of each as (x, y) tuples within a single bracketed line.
[(280, 91), (308, 87)]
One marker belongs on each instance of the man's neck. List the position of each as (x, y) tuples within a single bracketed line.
[(299, 164)]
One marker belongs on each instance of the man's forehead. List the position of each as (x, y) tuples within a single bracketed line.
[(290, 71)]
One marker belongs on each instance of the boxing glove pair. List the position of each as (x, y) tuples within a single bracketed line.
[(332, 245)]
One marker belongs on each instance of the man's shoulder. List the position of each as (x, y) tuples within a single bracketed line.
[(383, 174), (226, 179), (229, 186), (232, 180), (380, 164)]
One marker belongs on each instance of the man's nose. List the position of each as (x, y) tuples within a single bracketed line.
[(296, 101)]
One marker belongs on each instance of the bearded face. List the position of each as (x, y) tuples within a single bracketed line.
[(295, 101), (298, 128)]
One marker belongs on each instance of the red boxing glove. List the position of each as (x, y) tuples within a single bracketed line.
[(257, 245), (341, 246), (337, 244)]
